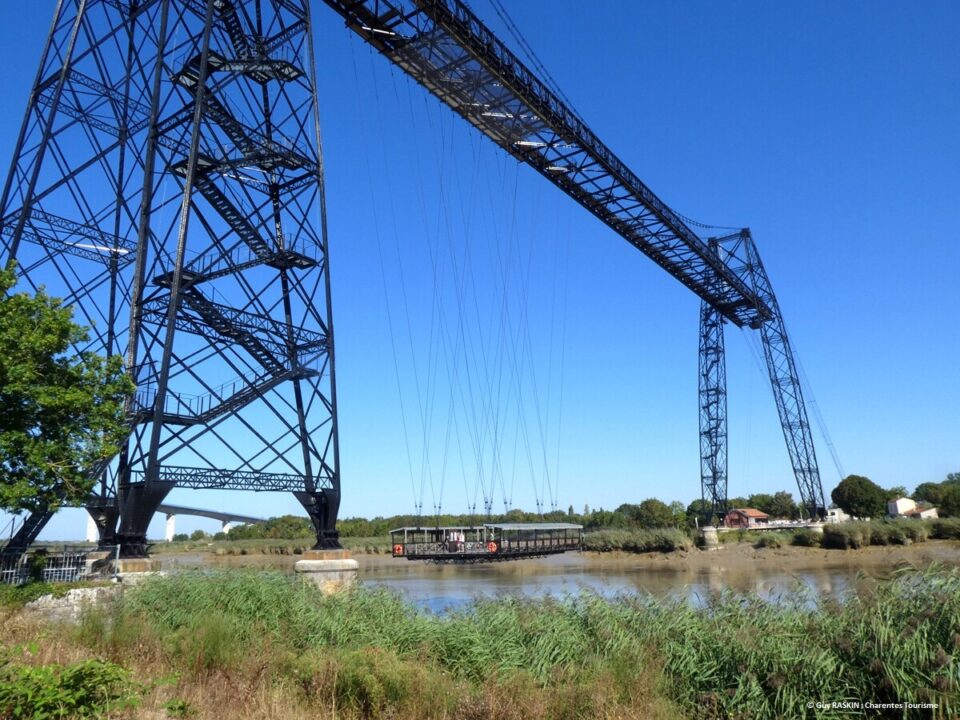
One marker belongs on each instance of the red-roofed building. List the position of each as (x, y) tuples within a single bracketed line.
[(745, 518)]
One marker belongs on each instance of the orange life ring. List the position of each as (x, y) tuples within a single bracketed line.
[(398, 549), (491, 547)]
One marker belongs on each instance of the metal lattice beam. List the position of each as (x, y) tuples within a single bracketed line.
[(443, 46)]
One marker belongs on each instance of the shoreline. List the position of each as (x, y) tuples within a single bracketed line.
[(730, 557)]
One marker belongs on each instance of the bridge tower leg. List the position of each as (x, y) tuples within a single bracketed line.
[(713, 413), (168, 183), (741, 254)]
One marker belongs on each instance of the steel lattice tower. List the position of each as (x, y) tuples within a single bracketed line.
[(739, 252), (168, 183), (713, 410)]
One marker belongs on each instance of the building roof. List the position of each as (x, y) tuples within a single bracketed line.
[(492, 526), (534, 526), (436, 528), (750, 512)]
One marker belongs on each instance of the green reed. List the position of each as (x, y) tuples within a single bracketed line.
[(577, 656)]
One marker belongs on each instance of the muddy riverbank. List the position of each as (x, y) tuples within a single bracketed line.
[(729, 557), (770, 573)]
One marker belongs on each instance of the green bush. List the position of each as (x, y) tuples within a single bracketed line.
[(886, 533), (850, 535), (19, 595), (771, 540), (916, 530), (91, 688), (637, 541), (945, 529), (740, 536), (880, 532), (805, 537)]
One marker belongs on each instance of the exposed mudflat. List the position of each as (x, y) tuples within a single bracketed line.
[(729, 557)]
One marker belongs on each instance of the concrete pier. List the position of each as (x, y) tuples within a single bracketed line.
[(711, 541), (329, 570), (131, 570)]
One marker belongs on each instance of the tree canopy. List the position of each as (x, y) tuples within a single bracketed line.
[(860, 497), (944, 495), (778, 505), (62, 409), (653, 513), (930, 492)]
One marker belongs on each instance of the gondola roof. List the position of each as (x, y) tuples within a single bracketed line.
[(533, 526), (492, 526)]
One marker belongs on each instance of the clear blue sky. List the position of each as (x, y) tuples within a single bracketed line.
[(830, 129)]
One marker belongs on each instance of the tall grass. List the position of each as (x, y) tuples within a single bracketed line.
[(370, 654), (945, 529), (270, 546), (637, 541), (804, 537), (886, 532)]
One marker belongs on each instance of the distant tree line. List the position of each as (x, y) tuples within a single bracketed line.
[(856, 495), (944, 495), (648, 514), (860, 497)]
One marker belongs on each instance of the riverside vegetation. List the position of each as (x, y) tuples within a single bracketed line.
[(233, 644), (850, 535)]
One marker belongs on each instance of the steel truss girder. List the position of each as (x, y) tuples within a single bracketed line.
[(216, 479), (217, 182), (443, 46)]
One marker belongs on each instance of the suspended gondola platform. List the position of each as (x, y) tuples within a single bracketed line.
[(494, 542)]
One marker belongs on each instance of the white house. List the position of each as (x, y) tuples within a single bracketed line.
[(900, 506), (905, 507), (836, 515)]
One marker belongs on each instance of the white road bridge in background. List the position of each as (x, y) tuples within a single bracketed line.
[(228, 520)]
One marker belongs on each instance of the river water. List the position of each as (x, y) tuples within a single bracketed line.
[(442, 587), (439, 588)]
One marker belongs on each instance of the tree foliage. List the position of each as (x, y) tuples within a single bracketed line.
[(897, 492), (860, 497), (950, 502), (653, 513), (62, 410), (929, 492), (778, 505), (697, 512), (945, 496)]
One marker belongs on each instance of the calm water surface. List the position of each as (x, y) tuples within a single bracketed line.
[(443, 587)]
